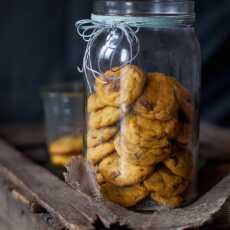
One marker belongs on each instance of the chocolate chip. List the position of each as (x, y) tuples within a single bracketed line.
[(146, 104), (115, 174), (137, 156), (115, 85)]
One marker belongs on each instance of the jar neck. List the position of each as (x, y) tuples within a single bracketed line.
[(164, 12)]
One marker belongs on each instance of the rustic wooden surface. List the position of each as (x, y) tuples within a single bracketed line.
[(70, 207), (47, 203), (18, 213)]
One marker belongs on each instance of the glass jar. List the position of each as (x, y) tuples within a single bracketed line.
[(63, 110), (142, 68)]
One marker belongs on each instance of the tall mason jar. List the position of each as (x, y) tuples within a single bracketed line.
[(142, 69)]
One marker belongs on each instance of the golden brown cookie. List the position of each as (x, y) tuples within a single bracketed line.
[(158, 100), (180, 89), (132, 83), (100, 179), (187, 108), (180, 163), (120, 86), (165, 183), (60, 160), (117, 171), (105, 117), (98, 153), (140, 156), (99, 136), (155, 183), (184, 135), (66, 145), (94, 103), (158, 128), (184, 98), (171, 202), (124, 196), (135, 135), (108, 87)]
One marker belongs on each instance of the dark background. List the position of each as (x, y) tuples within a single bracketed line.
[(38, 45)]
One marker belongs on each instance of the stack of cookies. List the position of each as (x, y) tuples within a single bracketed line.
[(62, 149), (136, 138)]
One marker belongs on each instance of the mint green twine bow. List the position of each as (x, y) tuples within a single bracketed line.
[(91, 29)]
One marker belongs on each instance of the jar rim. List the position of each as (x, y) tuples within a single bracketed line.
[(144, 7)]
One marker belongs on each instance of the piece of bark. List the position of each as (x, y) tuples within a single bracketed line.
[(192, 216), (221, 220), (83, 178), (73, 209), (16, 215)]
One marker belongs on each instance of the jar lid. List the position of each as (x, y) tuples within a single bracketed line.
[(144, 7)]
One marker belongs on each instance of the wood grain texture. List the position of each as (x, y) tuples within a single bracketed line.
[(15, 215), (72, 209)]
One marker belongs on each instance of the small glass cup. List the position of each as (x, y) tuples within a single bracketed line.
[(63, 107)]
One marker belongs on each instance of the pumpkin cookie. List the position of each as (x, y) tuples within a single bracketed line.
[(140, 156), (184, 98), (158, 100), (120, 86), (160, 128), (108, 87), (66, 145), (99, 136), (94, 103), (105, 117), (99, 152), (175, 185), (60, 160), (165, 183), (100, 179), (124, 196), (185, 134), (141, 137), (155, 183), (171, 202), (117, 171), (180, 163), (132, 83), (180, 89)]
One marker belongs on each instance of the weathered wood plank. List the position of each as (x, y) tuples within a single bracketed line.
[(4, 224), (15, 215), (222, 219), (73, 209)]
